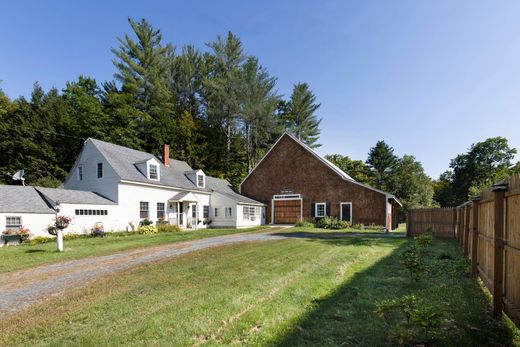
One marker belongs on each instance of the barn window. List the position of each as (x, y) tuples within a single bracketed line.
[(80, 173), (99, 170), (320, 209)]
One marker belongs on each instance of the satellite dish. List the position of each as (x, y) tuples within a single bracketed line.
[(18, 176)]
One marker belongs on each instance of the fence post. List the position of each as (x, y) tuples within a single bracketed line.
[(466, 230), (474, 239), (454, 222), (498, 247)]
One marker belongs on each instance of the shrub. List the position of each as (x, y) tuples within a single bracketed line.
[(331, 223), (424, 240), (97, 230), (413, 262), (168, 228), (148, 230), (145, 222), (422, 320), (304, 224), (39, 240), (72, 236)]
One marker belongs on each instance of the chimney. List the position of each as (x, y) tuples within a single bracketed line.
[(166, 155)]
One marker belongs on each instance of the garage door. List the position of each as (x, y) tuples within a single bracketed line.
[(287, 211)]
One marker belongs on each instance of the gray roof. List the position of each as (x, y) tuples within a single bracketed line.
[(123, 160), (70, 196), (224, 187), (20, 199)]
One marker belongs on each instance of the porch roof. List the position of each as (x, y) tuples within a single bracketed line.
[(184, 196)]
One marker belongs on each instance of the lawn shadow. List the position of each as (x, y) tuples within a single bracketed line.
[(347, 316), (35, 251)]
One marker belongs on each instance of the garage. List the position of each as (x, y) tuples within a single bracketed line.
[(287, 209)]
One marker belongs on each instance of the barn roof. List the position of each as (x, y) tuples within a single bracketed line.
[(333, 167)]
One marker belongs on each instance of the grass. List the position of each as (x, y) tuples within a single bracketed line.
[(299, 291), (29, 255)]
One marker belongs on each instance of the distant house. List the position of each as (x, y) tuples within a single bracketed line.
[(297, 184), (119, 187)]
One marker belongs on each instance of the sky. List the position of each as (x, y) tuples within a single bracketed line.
[(428, 77)]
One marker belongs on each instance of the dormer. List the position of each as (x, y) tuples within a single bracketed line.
[(198, 177), (151, 168)]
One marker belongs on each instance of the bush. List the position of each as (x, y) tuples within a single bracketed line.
[(424, 240), (73, 236), (422, 320), (97, 230), (39, 240), (145, 222), (168, 228), (304, 224), (331, 223), (413, 262), (148, 230)]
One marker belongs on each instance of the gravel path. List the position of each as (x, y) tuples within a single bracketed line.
[(20, 289)]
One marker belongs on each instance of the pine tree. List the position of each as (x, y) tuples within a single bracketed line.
[(144, 71), (381, 160), (301, 119)]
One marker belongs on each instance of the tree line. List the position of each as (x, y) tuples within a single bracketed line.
[(218, 109), (484, 164)]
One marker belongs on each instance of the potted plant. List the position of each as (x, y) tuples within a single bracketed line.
[(20, 235), (56, 229)]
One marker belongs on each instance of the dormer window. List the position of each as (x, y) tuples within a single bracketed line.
[(200, 181), (153, 172)]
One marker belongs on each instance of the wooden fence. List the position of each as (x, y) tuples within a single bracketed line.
[(440, 220), (488, 231)]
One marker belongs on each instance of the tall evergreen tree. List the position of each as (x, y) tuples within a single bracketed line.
[(301, 119), (258, 110), (144, 71), (381, 160)]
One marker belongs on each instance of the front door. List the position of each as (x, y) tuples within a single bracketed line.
[(346, 212)]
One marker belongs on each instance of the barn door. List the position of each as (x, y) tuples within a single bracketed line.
[(346, 211)]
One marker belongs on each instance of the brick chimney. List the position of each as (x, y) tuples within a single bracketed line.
[(166, 155)]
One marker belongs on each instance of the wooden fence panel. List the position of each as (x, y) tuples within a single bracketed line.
[(440, 220), (488, 232), (485, 242), (512, 252)]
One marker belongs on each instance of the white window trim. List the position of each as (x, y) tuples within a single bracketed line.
[(203, 180), (316, 209), (80, 173), (19, 225), (341, 210), (149, 172)]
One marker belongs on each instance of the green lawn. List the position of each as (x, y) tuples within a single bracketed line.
[(27, 255), (310, 292)]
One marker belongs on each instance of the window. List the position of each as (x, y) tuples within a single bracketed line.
[(13, 223), (80, 173), (250, 213), (160, 210), (153, 172), (144, 210), (320, 209), (205, 211), (216, 212), (200, 181), (229, 212), (99, 170), (194, 211)]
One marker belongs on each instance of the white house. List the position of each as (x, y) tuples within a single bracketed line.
[(119, 187)]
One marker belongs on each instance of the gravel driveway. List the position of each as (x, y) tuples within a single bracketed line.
[(20, 289)]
